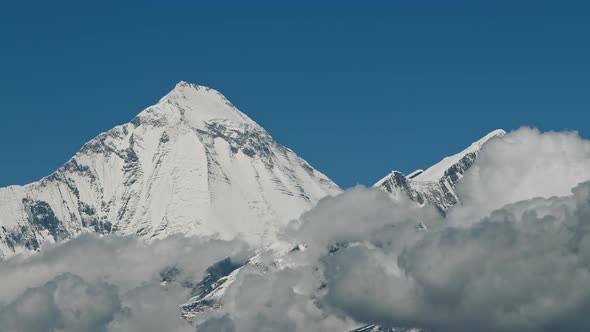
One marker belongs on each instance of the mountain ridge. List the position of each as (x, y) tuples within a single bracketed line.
[(436, 184)]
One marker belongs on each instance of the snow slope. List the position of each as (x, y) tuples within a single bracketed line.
[(436, 184), (191, 164)]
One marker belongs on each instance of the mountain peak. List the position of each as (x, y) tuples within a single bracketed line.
[(185, 88), (490, 135), (190, 164), (437, 171), (436, 184), (183, 85), (194, 105)]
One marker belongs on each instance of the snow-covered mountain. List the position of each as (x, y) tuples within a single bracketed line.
[(191, 164), (194, 164), (436, 185)]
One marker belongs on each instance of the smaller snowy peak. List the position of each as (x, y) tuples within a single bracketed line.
[(492, 134), (437, 171), (436, 185)]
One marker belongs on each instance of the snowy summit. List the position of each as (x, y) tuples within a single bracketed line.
[(191, 164)]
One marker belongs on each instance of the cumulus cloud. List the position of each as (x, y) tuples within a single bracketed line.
[(66, 303), (284, 300), (358, 214), (108, 284), (522, 165), (513, 271)]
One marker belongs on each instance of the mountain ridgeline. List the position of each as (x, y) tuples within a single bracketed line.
[(436, 185)]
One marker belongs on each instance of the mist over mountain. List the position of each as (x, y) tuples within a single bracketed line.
[(192, 218)]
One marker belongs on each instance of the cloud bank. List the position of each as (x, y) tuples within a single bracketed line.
[(107, 284), (514, 255)]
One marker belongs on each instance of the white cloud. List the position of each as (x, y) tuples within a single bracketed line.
[(66, 303), (514, 271), (107, 284), (522, 165)]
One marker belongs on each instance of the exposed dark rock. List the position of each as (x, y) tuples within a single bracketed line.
[(43, 217)]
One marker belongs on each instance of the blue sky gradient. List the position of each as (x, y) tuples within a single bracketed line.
[(356, 89)]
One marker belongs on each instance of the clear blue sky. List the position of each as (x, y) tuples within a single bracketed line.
[(356, 89)]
